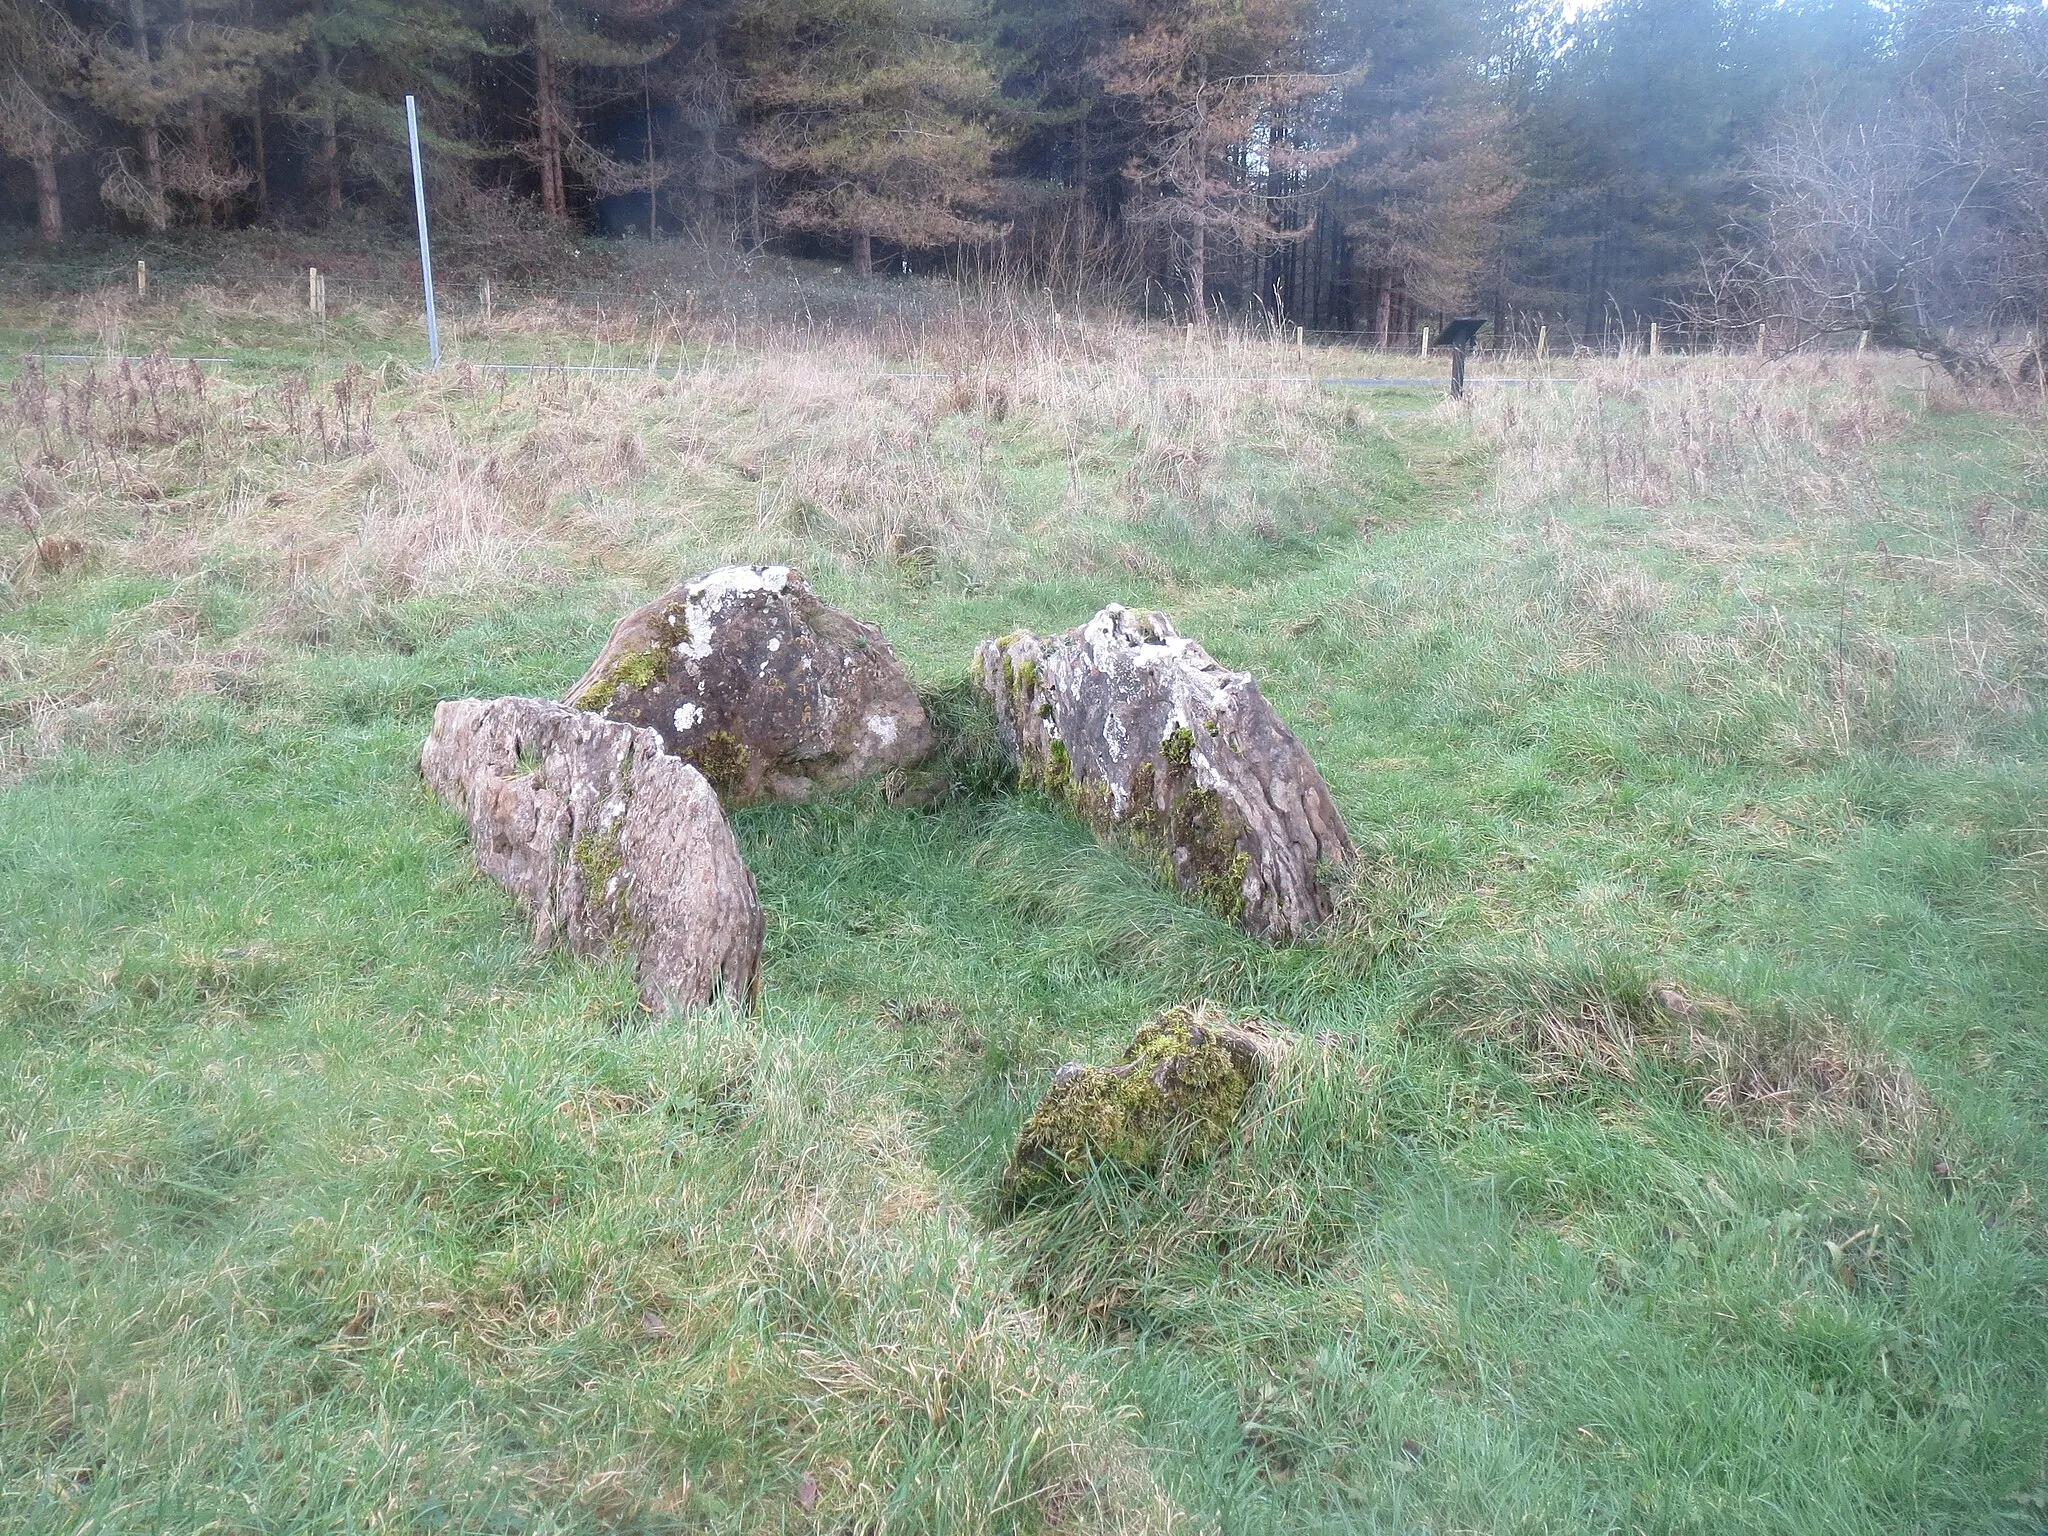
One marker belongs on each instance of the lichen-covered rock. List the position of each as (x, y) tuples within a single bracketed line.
[(606, 840), (768, 691), (1179, 1087), (1148, 737)]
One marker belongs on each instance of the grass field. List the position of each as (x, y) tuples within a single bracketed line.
[(1670, 1168)]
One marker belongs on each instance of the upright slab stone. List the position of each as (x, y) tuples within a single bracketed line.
[(771, 693), (608, 842), (1149, 738)]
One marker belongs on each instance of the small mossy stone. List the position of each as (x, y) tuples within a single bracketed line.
[(1177, 1092)]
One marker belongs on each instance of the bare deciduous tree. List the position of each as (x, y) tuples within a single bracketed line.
[(1923, 223)]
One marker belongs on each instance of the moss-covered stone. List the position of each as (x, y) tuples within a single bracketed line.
[(807, 698), (612, 846), (1159, 748), (1177, 1092)]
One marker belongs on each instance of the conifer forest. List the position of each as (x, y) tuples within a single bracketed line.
[(1349, 165)]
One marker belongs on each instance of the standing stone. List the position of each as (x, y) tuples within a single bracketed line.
[(1150, 739), (768, 691), (607, 841)]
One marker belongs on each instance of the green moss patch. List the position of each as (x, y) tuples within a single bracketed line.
[(635, 670), (722, 758)]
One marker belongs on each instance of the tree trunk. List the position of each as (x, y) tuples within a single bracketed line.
[(200, 134), (330, 135), (548, 109), (1198, 277), (204, 149), (152, 141), (49, 205), (1386, 314), (1083, 170), (653, 191), (863, 254), (262, 162)]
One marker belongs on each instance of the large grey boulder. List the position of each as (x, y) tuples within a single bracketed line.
[(1151, 740), (607, 841), (768, 691)]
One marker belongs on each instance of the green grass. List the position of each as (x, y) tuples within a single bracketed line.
[(324, 1204)]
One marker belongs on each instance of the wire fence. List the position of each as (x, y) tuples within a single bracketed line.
[(262, 365), (748, 294)]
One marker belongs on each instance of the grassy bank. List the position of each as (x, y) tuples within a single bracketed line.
[(1669, 1168)]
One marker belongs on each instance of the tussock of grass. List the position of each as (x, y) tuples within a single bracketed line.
[(1785, 1069)]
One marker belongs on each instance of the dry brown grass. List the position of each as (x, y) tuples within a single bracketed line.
[(1774, 481), (1769, 1071), (990, 446), (1633, 432)]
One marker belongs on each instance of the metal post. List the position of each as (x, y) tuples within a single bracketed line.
[(419, 204)]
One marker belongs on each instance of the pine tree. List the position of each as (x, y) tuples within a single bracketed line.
[(1070, 144), (354, 63), (872, 116), (584, 58), (179, 74), (1215, 86), (1433, 173), (126, 84), (213, 60), (41, 58)]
